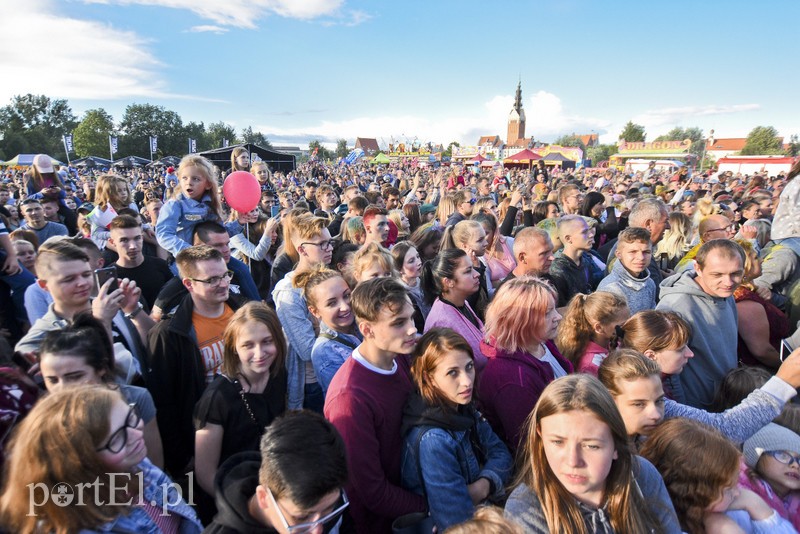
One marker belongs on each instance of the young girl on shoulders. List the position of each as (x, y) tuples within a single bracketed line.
[(198, 201), (580, 474), (111, 195), (590, 324), (701, 469)]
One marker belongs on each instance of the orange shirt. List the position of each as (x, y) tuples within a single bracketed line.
[(209, 332)]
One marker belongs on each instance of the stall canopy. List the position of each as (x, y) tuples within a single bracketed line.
[(131, 161), (477, 160), (555, 158), (526, 157), (90, 162), (277, 161), (167, 161), (381, 159), (25, 160)]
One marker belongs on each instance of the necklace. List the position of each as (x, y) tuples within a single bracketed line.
[(246, 404)]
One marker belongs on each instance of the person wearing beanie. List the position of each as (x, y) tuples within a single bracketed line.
[(772, 456)]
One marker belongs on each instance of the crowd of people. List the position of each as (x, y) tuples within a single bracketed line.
[(399, 348)]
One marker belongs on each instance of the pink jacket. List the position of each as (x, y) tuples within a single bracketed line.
[(788, 508)]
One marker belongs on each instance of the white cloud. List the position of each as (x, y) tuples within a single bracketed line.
[(46, 52), (545, 117), (245, 13), (677, 115), (207, 29)]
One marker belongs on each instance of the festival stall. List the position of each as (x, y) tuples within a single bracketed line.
[(772, 165), (25, 160), (524, 158), (381, 159), (91, 162), (277, 161), (657, 150)]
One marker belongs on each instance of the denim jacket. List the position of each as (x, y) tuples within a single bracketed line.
[(448, 464), (158, 489), (329, 354), (178, 218)]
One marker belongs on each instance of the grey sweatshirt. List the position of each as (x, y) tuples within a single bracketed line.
[(714, 337), (524, 508), (640, 293)]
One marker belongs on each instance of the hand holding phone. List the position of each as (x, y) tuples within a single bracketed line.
[(102, 276), (786, 349), (663, 261)]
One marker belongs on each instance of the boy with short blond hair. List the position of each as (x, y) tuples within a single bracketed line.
[(629, 277), (365, 403), (570, 270)]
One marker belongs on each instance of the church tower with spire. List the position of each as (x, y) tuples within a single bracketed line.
[(516, 119)]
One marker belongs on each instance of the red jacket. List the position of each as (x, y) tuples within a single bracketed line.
[(509, 387)]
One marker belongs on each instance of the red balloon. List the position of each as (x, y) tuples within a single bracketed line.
[(242, 191)]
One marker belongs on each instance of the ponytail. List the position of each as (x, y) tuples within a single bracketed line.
[(574, 332)]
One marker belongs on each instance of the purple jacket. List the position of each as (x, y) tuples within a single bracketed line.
[(509, 387), (446, 316)]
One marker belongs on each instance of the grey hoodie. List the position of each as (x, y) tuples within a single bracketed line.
[(640, 293), (714, 337)]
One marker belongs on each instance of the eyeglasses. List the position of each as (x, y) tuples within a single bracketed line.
[(324, 245), (301, 528), (215, 280), (723, 229), (470, 201), (784, 457), (119, 438)]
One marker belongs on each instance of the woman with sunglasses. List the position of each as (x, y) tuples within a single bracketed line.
[(78, 462)]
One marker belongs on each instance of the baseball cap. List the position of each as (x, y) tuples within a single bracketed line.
[(42, 163)]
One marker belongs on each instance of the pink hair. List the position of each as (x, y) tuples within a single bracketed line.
[(515, 318)]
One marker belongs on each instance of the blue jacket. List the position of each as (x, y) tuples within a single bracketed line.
[(158, 489), (178, 218), (450, 464), (329, 354)]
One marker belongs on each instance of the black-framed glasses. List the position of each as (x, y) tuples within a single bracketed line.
[(302, 528), (215, 280), (119, 438), (784, 457), (473, 200), (324, 245)]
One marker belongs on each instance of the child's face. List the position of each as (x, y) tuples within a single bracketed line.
[(672, 361), (393, 331), (374, 270), (782, 477), (635, 257), (580, 450), (641, 404), (194, 182)]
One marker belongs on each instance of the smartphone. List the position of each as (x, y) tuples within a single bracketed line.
[(101, 276), (786, 349), (274, 211), (663, 262)]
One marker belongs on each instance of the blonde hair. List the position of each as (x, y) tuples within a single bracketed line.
[(655, 330), (447, 206), (287, 222), (678, 238), (353, 229), (577, 328), (626, 508), (625, 365), (515, 318), (210, 172), (458, 235), (369, 255), (486, 520), (106, 193), (57, 443)]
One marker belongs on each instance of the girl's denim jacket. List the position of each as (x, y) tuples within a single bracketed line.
[(158, 489), (447, 463), (178, 218), (330, 351)]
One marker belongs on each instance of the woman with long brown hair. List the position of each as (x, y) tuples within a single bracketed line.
[(579, 474)]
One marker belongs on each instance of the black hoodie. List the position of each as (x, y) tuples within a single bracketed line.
[(234, 485)]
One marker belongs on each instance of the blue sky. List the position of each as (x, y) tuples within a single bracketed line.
[(439, 70)]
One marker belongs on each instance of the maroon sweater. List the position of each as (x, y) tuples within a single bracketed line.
[(367, 409), (509, 387)]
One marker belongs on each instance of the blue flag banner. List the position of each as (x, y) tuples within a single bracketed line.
[(113, 142), (192, 146), (68, 143), (354, 156), (225, 143), (153, 144)]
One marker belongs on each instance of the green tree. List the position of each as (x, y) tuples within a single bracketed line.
[(762, 141), (571, 140), (449, 150), (693, 133), (341, 148), (322, 152), (600, 153), (794, 146), (217, 131), (633, 133), (35, 123), (196, 131), (140, 121), (91, 135), (257, 138)]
